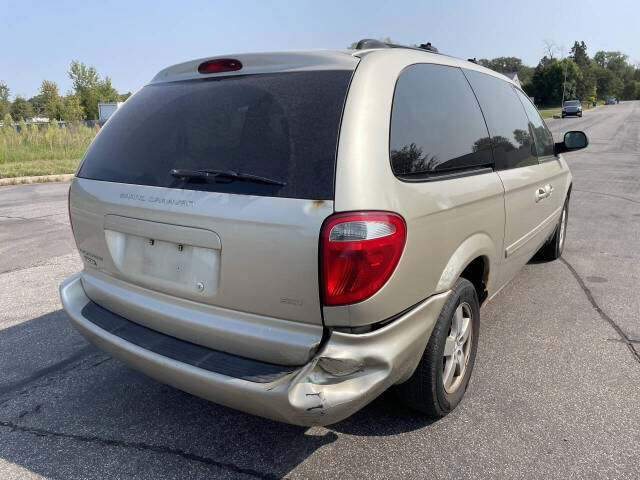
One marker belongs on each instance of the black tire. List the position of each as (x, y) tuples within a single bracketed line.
[(425, 390), (552, 250)]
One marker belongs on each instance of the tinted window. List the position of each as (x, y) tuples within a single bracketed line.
[(541, 134), (507, 122), (280, 126), (436, 123), (572, 103)]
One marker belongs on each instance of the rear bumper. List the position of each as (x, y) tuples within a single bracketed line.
[(348, 371)]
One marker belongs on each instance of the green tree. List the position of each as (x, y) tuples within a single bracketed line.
[(508, 64), (5, 104), (71, 108), (85, 83), (616, 62), (548, 80), (601, 59), (50, 99), (90, 89), (579, 54), (608, 83), (21, 109), (587, 83), (37, 102), (106, 92), (505, 64), (631, 90)]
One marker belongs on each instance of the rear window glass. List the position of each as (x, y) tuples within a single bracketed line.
[(281, 126)]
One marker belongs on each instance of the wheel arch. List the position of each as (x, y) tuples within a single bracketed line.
[(473, 260)]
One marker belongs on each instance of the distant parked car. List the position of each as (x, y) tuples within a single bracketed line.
[(572, 107), (610, 101)]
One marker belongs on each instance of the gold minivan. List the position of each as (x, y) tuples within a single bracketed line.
[(291, 234)]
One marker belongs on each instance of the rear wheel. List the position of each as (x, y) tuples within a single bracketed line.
[(441, 378), (552, 250)]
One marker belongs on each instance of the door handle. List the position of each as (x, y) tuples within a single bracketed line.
[(549, 189), (541, 194)]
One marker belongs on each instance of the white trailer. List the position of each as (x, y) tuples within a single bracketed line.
[(106, 109)]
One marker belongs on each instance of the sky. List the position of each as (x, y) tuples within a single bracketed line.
[(130, 41)]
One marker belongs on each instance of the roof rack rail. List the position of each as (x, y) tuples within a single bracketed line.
[(428, 46), (367, 43)]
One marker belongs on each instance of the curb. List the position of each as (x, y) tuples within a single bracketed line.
[(67, 177)]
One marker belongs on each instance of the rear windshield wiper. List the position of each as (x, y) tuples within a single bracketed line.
[(221, 176)]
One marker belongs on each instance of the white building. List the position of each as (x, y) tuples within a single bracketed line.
[(513, 76)]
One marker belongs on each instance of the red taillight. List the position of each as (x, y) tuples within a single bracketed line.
[(358, 253), (69, 207), (220, 65)]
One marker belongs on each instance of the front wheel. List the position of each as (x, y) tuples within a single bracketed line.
[(552, 250), (440, 380)]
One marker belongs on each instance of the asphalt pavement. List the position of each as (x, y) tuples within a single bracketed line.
[(554, 394)]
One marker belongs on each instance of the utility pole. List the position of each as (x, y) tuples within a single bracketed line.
[(566, 65)]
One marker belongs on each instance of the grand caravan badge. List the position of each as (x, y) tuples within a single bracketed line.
[(157, 200)]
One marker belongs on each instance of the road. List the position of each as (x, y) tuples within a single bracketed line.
[(555, 391)]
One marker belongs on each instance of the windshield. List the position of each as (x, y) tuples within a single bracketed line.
[(280, 126), (572, 103)]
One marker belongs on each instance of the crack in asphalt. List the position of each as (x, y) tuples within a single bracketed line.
[(623, 336), (33, 411), (43, 372), (608, 195), (106, 442)]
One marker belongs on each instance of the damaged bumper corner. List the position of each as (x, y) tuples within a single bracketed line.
[(348, 372), (352, 370)]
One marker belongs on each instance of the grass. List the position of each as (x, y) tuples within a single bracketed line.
[(42, 151), (549, 112)]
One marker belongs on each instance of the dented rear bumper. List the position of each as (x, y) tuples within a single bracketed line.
[(346, 373)]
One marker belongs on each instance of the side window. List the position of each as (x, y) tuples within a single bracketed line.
[(507, 122), (436, 124), (541, 134)]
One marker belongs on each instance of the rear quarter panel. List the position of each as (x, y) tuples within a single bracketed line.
[(449, 222)]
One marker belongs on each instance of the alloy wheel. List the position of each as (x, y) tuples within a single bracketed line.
[(457, 348)]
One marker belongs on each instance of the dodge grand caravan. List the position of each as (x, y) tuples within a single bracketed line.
[(291, 234)]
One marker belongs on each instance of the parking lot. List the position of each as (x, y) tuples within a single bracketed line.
[(555, 390)]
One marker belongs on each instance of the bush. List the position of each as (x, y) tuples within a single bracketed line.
[(42, 149)]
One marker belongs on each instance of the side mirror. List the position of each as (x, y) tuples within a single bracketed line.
[(574, 140)]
